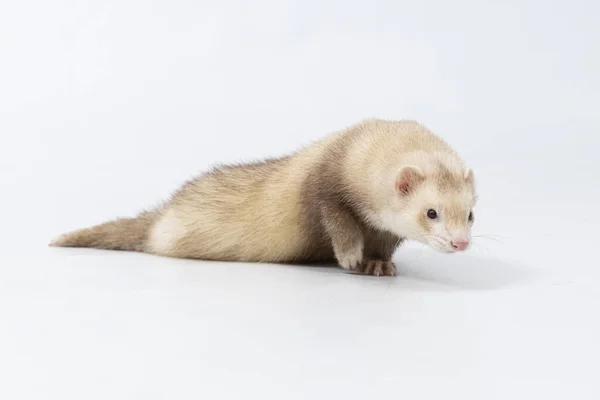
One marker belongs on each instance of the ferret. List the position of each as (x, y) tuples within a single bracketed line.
[(350, 198)]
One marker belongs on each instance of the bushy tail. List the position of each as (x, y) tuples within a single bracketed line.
[(129, 234)]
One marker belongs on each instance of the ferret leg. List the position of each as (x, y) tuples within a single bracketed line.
[(379, 249), (345, 234), (381, 245)]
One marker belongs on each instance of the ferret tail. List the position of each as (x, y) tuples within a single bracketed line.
[(128, 234)]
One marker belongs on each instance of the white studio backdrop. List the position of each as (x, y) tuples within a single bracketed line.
[(107, 106), (132, 97)]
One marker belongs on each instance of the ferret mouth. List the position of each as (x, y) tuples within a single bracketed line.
[(446, 249), (440, 244)]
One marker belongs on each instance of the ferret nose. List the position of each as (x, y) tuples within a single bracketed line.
[(460, 245)]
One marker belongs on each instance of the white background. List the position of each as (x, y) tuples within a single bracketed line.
[(107, 106)]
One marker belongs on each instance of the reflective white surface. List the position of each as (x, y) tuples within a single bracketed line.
[(105, 107), (84, 323)]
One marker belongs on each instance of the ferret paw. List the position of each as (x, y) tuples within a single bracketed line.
[(351, 260), (377, 268)]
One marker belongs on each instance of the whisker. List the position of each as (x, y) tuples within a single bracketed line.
[(425, 235), (492, 235), (478, 248), (487, 237)]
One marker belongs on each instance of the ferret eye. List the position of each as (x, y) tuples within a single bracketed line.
[(471, 216), (431, 214)]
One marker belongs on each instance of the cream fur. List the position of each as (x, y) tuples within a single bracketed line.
[(274, 211)]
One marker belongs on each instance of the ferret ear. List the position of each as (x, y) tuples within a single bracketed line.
[(408, 178), (469, 176)]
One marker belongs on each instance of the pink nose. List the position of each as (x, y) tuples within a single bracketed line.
[(460, 244)]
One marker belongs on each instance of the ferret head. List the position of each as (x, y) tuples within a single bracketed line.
[(434, 207)]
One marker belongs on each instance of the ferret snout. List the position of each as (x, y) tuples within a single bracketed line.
[(459, 244)]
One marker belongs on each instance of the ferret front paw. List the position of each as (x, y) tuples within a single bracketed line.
[(352, 259), (377, 268)]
